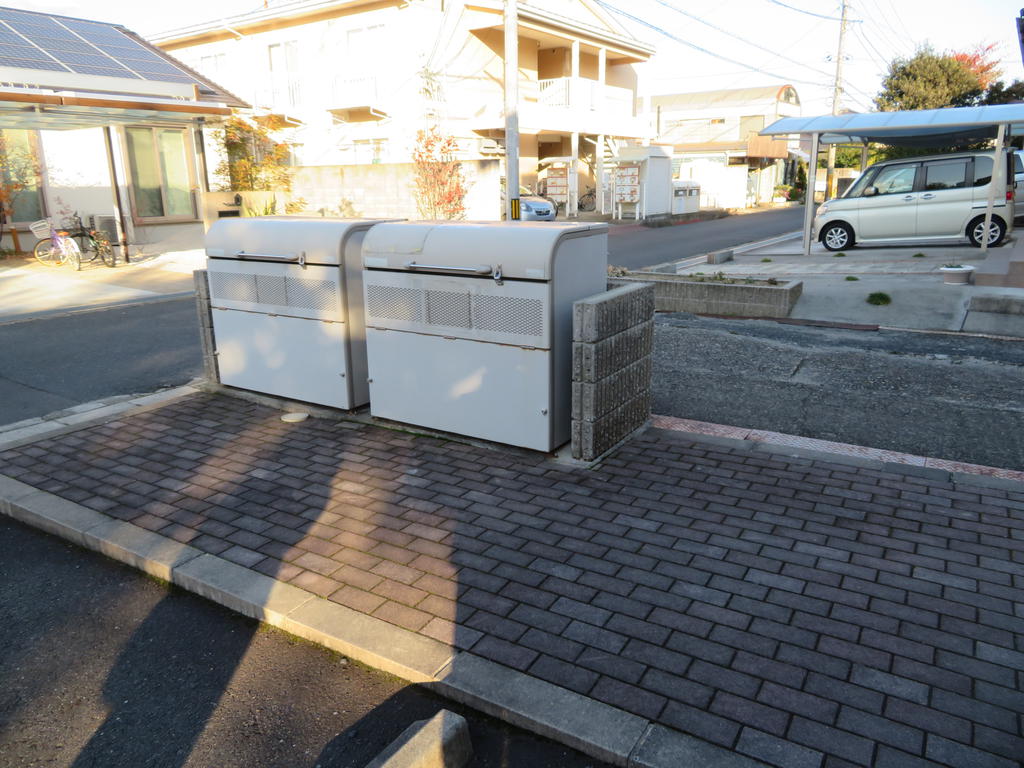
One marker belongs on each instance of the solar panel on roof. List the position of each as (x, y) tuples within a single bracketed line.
[(107, 72), (84, 47), (24, 52), (52, 66)]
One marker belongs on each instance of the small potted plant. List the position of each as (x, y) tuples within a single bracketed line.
[(956, 274)]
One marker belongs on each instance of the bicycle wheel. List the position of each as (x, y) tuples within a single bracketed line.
[(105, 250), (72, 253), (47, 254), (588, 202), (86, 248)]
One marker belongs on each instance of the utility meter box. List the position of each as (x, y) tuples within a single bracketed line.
[(469, 325)]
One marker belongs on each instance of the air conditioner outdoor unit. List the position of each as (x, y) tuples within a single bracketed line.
[(105, 224)]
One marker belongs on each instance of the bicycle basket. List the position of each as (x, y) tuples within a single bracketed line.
[(41, 228)]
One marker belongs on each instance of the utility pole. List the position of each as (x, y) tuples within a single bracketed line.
[(837, 92), (511, 110)]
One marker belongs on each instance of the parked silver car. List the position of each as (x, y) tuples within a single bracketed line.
[(921, 199), (534, 207)]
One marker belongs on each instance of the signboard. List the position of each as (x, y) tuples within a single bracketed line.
[(557, 184), (627, 184)]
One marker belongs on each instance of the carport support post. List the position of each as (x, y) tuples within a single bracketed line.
[(1000, 142), (812, 176)]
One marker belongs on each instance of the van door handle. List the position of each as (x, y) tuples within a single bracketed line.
[(908, 198), (927, 196)]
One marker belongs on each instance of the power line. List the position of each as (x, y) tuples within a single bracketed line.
[(899, 18), (737, 37), (679, 40), (883, 33), (809, 13), (868, 44)]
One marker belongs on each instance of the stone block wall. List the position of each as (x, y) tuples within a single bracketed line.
[(205, 315), (613, 334)]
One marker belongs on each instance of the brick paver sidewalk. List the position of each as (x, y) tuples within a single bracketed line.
[(800, 612)]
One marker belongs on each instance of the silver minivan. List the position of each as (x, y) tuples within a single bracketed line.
[(920, 199)]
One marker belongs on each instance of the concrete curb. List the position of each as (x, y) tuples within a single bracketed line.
[(929, 473), (86, 414), (440, 742), (594, 728)]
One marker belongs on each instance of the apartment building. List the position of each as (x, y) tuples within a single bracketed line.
[(357, 79), (715, 142)]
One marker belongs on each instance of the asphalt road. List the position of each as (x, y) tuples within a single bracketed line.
[(58, 361), (105, 668), (636, 247), (937, 395)]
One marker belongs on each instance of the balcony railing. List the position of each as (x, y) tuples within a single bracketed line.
[(580, 94), (282, 96), (354, 91)]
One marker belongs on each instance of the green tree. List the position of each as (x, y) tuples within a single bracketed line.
[(928, 80), (1000, 93), (846, 157)]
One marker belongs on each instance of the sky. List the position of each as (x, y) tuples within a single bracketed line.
[(744, 42)]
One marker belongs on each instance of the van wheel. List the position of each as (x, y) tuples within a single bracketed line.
[(837, 236), (996, 231)]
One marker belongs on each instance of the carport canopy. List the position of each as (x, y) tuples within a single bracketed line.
[(905, 128)]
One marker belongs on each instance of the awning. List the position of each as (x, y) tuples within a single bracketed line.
[(65, 110), (921, 128)]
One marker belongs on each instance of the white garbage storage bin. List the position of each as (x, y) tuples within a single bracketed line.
[(469, 325), (287, 300)]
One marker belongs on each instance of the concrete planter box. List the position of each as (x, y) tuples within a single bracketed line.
[(679, 293), (956, 275)]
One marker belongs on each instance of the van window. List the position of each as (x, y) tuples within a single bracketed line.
[(895, 179), (947, 174), (1018, 164), (857, 188), (982, 170)]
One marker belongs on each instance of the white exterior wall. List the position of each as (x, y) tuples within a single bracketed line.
[(331, 69), (374, 58), (686, 126)]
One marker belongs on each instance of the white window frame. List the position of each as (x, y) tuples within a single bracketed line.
[(190, 162)]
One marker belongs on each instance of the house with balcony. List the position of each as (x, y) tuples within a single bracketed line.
[(714, 141), (357, 79)]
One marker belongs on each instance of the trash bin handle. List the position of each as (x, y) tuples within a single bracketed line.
[(483, 269), (298, 258)]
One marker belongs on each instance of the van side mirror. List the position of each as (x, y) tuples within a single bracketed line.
[(870, 191)]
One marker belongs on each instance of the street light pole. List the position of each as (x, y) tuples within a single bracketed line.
[(511, 110)]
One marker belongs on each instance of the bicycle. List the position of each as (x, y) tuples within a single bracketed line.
[(75, 245), (588, 200)]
